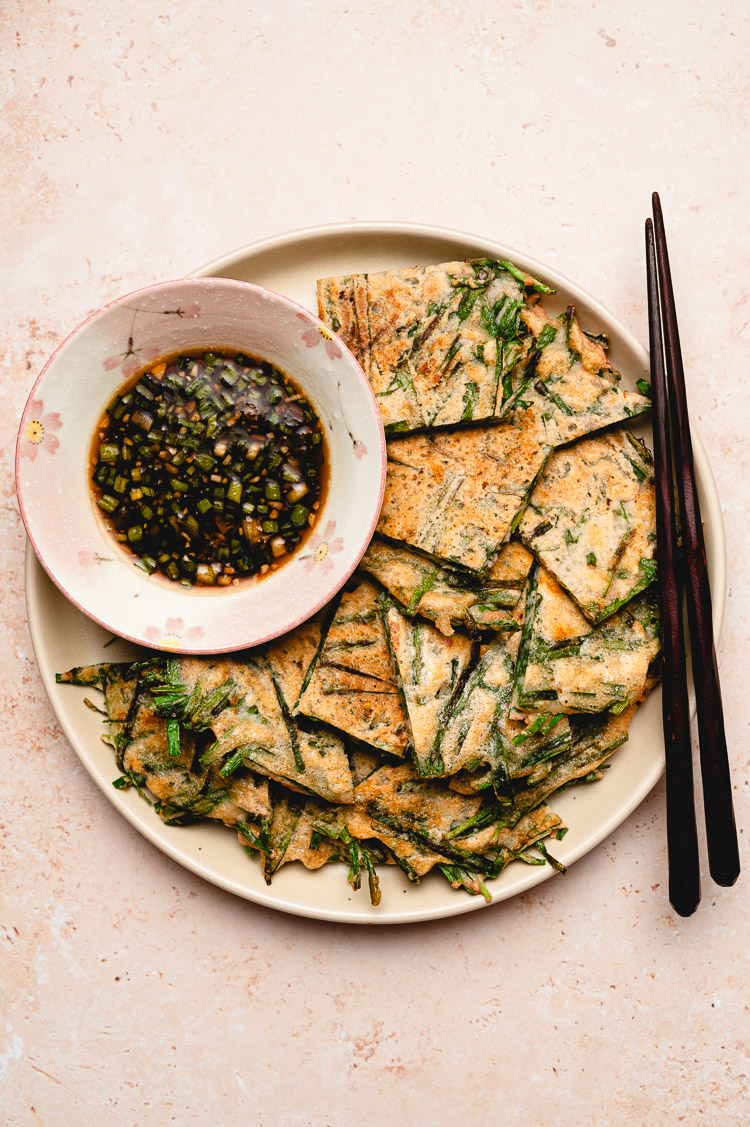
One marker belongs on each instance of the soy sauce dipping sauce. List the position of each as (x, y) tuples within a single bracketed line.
[(209, 468)]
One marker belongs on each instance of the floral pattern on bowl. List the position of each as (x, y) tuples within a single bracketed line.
[(173, 635), (320, 334), (320, 548), (37, 430), (73, 391)]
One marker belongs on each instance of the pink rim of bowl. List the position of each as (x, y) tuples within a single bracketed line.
[(69, 398)]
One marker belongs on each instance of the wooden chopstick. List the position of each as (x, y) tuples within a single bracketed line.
[(721, 832), (682, 836)]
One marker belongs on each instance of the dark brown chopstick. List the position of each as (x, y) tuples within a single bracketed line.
[(721, 833), (682, 836)]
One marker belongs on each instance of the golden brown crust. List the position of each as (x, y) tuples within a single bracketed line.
[(353, 686), (591, 520), (427, 351), (454, 496)]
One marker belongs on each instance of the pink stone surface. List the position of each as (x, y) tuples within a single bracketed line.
[(140, 140)]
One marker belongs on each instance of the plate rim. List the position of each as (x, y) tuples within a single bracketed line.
[(414, 914)]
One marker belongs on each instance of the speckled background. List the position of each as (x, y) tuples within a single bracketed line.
[(142, 139)]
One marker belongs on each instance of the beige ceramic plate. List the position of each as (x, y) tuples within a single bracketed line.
[(63, 637)]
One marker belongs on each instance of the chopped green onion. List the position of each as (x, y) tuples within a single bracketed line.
[(201, 469)]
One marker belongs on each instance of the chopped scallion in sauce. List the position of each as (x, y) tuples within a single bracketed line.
[(209, 468)]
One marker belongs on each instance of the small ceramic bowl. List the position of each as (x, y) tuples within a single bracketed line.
[(70, 397)]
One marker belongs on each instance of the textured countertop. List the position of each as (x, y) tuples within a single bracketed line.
[(140, 140)]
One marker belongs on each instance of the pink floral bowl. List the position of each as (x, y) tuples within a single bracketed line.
[(70, 397)]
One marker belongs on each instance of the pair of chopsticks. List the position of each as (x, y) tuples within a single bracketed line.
[(684, 571)]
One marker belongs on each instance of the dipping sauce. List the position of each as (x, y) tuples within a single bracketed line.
[(209, 467)]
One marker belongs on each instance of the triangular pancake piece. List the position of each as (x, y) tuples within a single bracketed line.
[(304, 830), (591, 521), (258, 730), (291, 655), (507, 844), (479, 730), (421, 586), (567, 387), (423, 810), (467, 831), (247, 706), (435, 342), (595, 739), (566, 665), (450, 598), (352, 685), (509, 841), (532, 740), (456, 496), (430, 668), (186, 789), (413, 857), (289, 836)]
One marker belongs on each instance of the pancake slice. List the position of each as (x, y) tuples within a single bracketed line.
[(429, 669), (457, 496), (466, 831), (566, 665), (479, 728), (567, 388), (413, 857), (247, 720), (184, 786), (471, 733), (352, 685), (595, 739), (450, 598), (591, 521), (288, 836), (436, 342)]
